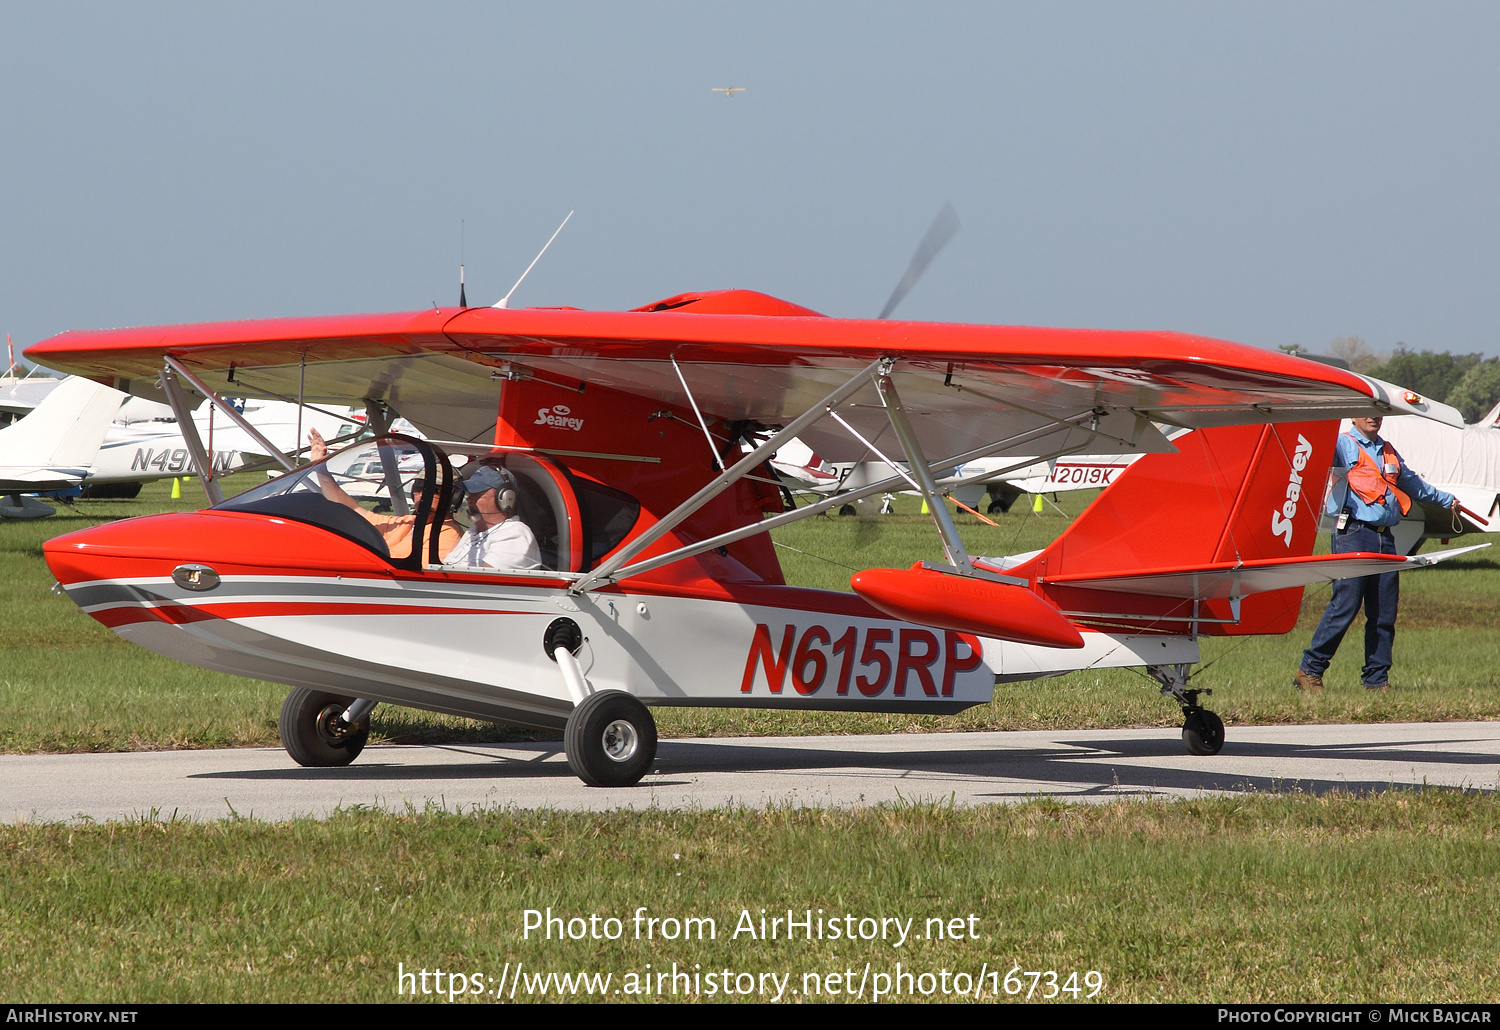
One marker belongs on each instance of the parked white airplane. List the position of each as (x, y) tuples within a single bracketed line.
[(1006, 479), (19, 394), (1464, 462), (139, 449), (83, 434), (54, 447)]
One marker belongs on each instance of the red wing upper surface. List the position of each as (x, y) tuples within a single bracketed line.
[(744, 357)]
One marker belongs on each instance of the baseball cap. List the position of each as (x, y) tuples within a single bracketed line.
[(487, 477)]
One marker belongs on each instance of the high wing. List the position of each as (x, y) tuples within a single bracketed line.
[(739, 356)]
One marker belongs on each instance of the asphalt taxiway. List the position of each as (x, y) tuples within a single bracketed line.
[(966, 768)]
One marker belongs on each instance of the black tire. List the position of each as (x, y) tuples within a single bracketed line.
[(848, 509), (110, 491), (1203, 733), (1002, 497), (311, 731), (610, 740)]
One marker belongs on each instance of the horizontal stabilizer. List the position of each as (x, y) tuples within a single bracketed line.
[(1241, 579), (39, 480)]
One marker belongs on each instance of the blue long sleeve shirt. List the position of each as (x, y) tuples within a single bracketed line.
[(1346, 455)]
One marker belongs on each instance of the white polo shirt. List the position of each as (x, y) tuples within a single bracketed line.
[(510, 545)]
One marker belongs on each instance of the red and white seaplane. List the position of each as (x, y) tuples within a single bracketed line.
[(625, 433)]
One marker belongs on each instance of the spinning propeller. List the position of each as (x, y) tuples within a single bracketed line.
[(944, 227)]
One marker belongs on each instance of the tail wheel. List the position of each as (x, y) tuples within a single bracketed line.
[(312, 732), (610, 740), (1203, 732)]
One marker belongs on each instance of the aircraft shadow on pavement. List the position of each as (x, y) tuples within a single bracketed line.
[(1368, 751), (484, 767), (1080, 768), (1085, 767)]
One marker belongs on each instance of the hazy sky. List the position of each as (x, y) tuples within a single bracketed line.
[(1263, 172)]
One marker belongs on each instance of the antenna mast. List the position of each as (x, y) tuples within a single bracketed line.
[(463, 301), (504, 302)]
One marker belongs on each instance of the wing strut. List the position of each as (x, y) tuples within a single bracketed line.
[(178, 399), (725, 479), (870, 447), (228, 409), (917, 462)]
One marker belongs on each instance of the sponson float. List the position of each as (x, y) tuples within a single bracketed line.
[(638, 443)]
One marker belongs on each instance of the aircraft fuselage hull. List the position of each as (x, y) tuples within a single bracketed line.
[(472, 644)]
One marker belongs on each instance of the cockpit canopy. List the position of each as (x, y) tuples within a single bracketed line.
[(403, 499)]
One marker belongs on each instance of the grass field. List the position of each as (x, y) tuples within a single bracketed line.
[(68, 684), (1289, 898), (1258, 898)]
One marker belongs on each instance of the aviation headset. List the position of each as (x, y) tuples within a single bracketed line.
[(502, 480)]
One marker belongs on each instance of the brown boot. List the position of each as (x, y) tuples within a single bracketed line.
[(1307, 682)]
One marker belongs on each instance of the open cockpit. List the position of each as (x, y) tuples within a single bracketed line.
[(409, 502)]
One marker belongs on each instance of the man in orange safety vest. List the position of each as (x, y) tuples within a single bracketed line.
[(1377, 491)]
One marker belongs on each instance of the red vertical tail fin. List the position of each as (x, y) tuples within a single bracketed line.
[(1230, 494)]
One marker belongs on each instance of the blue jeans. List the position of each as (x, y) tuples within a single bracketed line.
[(1379, 595)]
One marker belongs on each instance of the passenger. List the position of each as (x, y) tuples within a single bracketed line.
[(497, 539), (395, 530)]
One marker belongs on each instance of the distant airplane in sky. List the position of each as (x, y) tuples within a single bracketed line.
[(730, 91)]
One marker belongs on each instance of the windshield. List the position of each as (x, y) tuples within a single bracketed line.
[(382, 494)]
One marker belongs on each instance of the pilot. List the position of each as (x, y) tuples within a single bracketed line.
[(1378, 491), (497, 539), (395, 530)]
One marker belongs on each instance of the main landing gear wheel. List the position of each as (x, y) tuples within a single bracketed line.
[(1002, 497), (610, 740), (312, 732), (1203, 732)]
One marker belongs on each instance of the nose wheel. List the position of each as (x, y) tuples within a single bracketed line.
[(1202, 730)]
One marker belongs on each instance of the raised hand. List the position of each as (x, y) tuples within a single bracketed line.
[(317, 448)]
